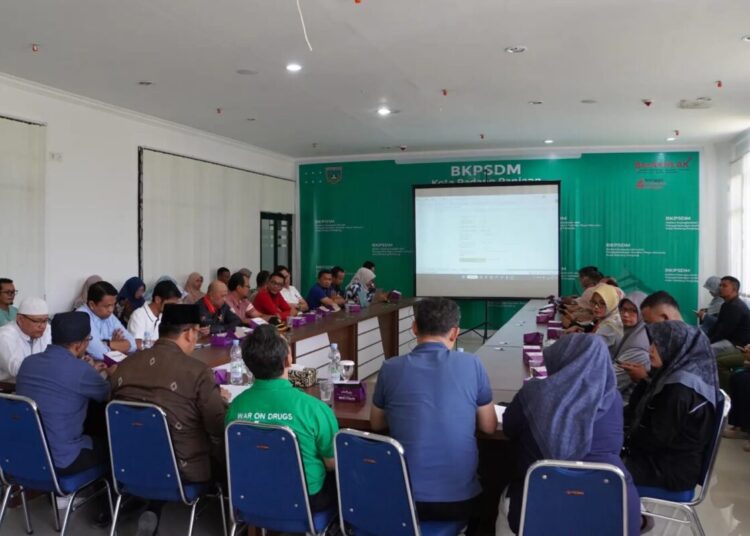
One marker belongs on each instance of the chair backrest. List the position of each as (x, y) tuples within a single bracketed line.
[(373, 483), (562, 497), (24, 454), (267, 484), (712, 449), (141, 452)]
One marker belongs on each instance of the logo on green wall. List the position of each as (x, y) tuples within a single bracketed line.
[(334, 175)]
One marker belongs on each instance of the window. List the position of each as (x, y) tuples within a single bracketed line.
[(739, 222), (275, 240)]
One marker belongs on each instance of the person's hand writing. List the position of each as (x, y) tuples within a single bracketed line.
[(636, 372)]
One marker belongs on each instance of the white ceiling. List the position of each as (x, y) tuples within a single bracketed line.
[(401, 53)]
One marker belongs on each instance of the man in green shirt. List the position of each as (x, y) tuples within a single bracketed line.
[(273, 400), (7, 295)]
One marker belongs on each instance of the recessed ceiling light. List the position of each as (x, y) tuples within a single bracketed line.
[(294, 67), (704, 99), (145, 83), (384, 111), (588, 101), (518, 49), (251, 119), (671, 139), (746, 38), (386, 147), (548, 141), (246, 72), (535, 102)]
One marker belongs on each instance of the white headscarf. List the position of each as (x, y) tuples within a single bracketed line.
[(362, 276)]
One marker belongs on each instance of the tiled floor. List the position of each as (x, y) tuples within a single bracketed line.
[(726, 510)]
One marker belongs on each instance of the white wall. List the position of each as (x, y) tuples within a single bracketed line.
[(91, 191)]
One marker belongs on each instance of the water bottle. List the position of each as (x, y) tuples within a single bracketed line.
[(335, 366), (148, 342), (236, 364)]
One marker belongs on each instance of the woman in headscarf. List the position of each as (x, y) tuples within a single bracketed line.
[(193, 288), (608, 324), (575, 414), (671, 418), (130, 298), (82, 298), (363, 280), (633, 348), (708, 315)]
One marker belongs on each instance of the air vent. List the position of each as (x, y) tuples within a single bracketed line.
[(697, 104)]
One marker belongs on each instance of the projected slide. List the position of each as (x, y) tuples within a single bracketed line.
[(498, 241)]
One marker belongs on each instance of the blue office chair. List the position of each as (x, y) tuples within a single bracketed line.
[(374, 489), (26, 463), (144, 463), (561, 497), (687, 500), (267, 485)]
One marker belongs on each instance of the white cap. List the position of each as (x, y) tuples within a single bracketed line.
[(33, 306)]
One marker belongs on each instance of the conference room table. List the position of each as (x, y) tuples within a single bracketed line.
[(501, 356)]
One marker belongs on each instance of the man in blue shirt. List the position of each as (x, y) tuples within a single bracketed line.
[(433, 400), (107, 332), (62, 384), (321, 293)]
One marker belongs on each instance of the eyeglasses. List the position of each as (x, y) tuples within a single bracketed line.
[(9, 292), (275, 283), (37, 321), (600, 305)]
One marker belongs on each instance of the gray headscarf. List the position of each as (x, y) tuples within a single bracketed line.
[(633, 347), (561, 409), (712, 285), (687, 359)]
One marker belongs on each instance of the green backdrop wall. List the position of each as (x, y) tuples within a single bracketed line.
[(634, 215)]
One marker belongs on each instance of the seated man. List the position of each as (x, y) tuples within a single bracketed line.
[(269, 358), (290, 293), (7, 295), (269, 300), (236, 299), (146, 319), (339, 291), (223, 274), (62, 384), (433, 400), (215, 314), (185, 389), (732, 327), (321, 293), (27, 334), (107, 331), (260, 281), (660, 306)]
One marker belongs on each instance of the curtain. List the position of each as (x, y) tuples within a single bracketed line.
[(199, 216), (22, 169)]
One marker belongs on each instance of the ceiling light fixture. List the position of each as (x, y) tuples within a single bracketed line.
[(535, 102), (549, 141), (294, 67), (145, 83), (251, 119), (588, 101), (246, 72), (671, 139), (746, 38), (384, 111), (518, 49)]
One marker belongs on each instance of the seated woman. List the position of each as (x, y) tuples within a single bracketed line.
[(670, 419), (574, 414), (607, 321), (83, 296), (363, 280), (129, 299), (633, 348), (193, 288), (708, 315)]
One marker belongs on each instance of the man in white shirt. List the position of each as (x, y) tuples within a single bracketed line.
[(146, 319), (289, 292), (28, 334)]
